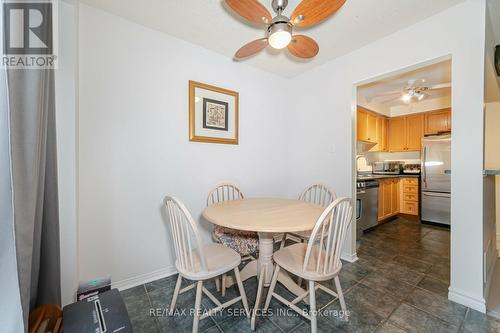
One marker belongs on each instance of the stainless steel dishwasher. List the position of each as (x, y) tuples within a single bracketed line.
[(366, 205)]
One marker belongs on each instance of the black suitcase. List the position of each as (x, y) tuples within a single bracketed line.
[(103, 313)]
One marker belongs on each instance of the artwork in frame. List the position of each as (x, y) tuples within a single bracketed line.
[(213, 114)]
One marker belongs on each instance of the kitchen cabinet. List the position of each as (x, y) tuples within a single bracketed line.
[(388, 201), (414, 132), (409, 196), (397, 136), (372, 128), (382, 126), (362, 122), (406, 132), (367, 126), (438, 122)]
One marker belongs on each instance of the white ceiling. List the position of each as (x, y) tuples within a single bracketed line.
[(434, 74), (209, 24)]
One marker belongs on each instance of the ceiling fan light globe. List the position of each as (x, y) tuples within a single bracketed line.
[(280, 39)]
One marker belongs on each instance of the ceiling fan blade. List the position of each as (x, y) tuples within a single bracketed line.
[(303, 47), (251, 48), (311, 12), (413, 83), (252, 10), (440, 86)]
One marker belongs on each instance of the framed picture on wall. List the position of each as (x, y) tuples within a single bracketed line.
[(213, 114)]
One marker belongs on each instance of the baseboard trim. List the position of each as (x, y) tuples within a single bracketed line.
[(469, 301), (144, 278), (349, 257)]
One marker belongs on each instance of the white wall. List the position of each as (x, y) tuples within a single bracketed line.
[(320, 144), (11, 312), (134, 148)]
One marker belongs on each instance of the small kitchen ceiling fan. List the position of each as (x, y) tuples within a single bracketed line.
[(280, 28), (413, 92)]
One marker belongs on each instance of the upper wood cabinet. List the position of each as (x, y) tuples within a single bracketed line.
[(367, 126), (362, 125), (372, 128), (414, 132), (438, 121), (405, 133), (397, 134)]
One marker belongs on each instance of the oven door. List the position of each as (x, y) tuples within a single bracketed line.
[(359, 213)]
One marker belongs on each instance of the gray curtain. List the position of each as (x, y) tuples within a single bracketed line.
[(31, 113), (11, 315)]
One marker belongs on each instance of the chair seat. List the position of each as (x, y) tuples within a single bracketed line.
[(220, 259), (243, 242), (291, 258)]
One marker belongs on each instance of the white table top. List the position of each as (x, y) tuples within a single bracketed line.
[(264, 214)]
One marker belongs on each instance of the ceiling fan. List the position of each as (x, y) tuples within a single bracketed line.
[(413, 92), (279, 29)]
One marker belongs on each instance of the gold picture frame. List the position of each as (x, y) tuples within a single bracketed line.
[(213, 114)]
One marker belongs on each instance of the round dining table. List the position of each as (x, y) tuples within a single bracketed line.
[(267, 217)]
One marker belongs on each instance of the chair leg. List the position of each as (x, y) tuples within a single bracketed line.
[(197, 306), (242, 291), (312, 304), (217, 283), (283, 239), (223, 287), (176, 293), (257, 299), (272, 286), (341, 294)]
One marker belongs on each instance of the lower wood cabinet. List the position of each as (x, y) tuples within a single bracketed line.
[(409, 196), (388, 198)]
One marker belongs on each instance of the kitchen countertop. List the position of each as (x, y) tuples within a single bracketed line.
[(491, 172), (373, 177)]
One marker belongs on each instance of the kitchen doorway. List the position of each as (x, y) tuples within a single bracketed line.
[(402, 170)]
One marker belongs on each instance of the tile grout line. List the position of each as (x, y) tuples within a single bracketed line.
[(157, 322), (462, 324)]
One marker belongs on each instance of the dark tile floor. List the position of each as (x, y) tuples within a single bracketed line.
[(399, 284)]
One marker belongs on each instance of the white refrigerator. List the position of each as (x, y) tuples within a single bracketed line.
[(436, 179)]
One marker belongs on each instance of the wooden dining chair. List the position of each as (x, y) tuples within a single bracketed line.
[(198, 262), (244, 242), (316, 261), (317, 194)]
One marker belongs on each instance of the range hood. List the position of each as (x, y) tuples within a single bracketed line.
[(364, 146)]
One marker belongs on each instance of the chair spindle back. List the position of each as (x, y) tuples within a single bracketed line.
[(184, 233), (224, 192), (318, 194), (329, 231)]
